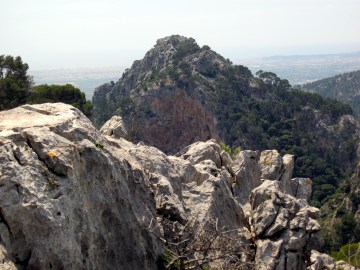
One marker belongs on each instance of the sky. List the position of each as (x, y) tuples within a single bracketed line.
[(50, 34)]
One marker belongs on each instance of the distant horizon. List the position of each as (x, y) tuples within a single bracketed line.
[(92, 33), (128, 64)]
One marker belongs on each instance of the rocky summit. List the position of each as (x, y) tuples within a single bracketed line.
[(158, 102), (72, 197)]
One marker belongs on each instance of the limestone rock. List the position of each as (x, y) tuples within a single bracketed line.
[(270, 164), (320, 261), (191, 186), (68, 198), (281, 222), (200, 151), (225, 159), (287, 169), (278, 216), (300, 188), (5, 263), (248, 173), (115, 127), (267, 254), (86, 200)]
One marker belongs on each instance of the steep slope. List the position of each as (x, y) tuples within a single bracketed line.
[(158, 100), (343, 87), (73, 198), (340, 216), (180, 93)]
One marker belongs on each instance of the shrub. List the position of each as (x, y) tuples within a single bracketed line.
[(60, 93), (232, 152), (349, 253)]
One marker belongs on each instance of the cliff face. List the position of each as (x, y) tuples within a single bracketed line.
[(73, 198), (160, 105)]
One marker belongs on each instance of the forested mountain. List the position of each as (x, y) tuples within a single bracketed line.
[(181, 93), (344, 87)]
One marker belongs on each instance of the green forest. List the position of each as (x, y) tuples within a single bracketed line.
[(343, 87), (16, 88)]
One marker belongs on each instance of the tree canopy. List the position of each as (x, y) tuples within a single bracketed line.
[(14, 82), (60, 93)]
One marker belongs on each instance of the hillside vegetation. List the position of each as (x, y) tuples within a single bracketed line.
[(343, 87), (60, 93), (253, 112)]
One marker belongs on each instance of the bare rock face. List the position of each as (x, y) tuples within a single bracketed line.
[(115, 127), (72, 197), (201, 151), (177, 120), (282, 227), (85, 200), (69, 199), (248, 174), (321, 261), (5, 262), (270, 164)]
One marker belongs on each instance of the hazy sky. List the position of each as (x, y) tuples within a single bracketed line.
[(87, 33)]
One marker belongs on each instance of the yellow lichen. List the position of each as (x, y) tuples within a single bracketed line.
[(308, 181), (268, 159), (52, 154)]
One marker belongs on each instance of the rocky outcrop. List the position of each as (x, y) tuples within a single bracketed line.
[(284, 227), (157, 109), (247, 174), (69, 199), (74, 198), (115, 127), (320, 261)]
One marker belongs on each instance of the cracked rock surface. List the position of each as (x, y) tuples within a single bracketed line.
[(72, 197), (66, 203)]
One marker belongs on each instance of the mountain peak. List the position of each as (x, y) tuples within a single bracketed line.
[(173, 40), (180, 93)]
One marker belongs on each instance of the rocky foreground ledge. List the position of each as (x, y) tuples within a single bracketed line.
[(72, 197)]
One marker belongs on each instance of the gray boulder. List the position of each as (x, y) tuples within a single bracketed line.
[(270, 164), (69, 199), (287, 168), (115, 127), (248, 173), (320, 261), (200, 151), (282, 227)]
